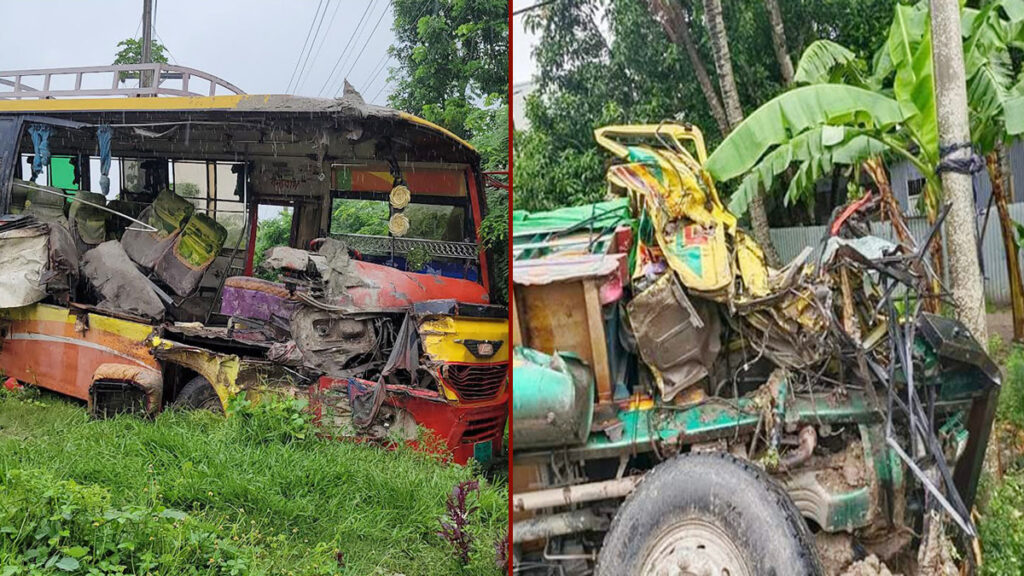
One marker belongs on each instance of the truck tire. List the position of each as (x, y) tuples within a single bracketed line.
[(710, 514), (198, 394)]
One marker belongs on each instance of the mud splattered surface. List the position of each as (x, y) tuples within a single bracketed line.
[(870, 566)]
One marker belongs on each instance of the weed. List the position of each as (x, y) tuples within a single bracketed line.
[(1002, 527), (501, 552), (1011, 400), (1002, 524), (996, 347), (455, 527)]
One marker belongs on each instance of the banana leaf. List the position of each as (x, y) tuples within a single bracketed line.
[(910, 49), (817, 151), (825, 62), (794, 112)]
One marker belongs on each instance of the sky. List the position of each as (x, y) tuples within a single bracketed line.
[(254, 44), (523, 44)]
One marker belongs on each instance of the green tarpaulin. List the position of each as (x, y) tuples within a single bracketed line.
[(598, 216)]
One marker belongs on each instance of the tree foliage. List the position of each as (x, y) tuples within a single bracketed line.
[(609, 61), (273, 232), (131, 53), (452, 56)]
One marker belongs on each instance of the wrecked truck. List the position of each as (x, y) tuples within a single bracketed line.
[(131, 279), (682, 408)]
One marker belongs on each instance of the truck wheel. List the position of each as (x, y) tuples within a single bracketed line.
[(198, 394), (708, 515)]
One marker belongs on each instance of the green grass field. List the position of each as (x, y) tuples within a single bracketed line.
[(1001, 499), (195, 493)]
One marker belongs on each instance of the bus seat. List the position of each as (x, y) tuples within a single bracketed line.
[(44, 206), (120, 285), (168, 214), (192, 252), (88, 223)]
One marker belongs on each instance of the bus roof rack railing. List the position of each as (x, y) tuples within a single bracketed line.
[(114, 80)]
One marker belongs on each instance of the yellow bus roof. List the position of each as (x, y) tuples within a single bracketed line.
[(267, 103)]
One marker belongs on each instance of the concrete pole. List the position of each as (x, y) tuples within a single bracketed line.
[(147, 39), (954, 129)]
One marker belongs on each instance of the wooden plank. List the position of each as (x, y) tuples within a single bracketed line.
[(598, 343), (554, 318), (517, 334)]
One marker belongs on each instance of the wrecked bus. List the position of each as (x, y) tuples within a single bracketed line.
[(132, 280), (682, 408)]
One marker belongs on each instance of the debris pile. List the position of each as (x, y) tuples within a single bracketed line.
[(849, 324), (851, 320)]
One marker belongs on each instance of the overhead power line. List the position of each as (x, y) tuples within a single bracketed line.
[(323, 40), (382, 88), (379, 68), (303, 51), (363, 49), (302, 70), (390, 57), (347, 44)]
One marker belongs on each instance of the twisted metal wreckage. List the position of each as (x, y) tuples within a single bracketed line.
[(827, 373), (111, 302)]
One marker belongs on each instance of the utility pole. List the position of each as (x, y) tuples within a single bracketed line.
[(147, 39), (955, 144)]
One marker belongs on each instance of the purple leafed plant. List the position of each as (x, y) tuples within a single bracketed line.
[(454, 526), (501, 552)]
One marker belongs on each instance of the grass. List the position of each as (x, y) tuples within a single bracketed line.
[(195, 493), (1001, 501)]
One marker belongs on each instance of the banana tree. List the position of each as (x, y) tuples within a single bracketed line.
[(841, 93), (900, 80), (992, 95)]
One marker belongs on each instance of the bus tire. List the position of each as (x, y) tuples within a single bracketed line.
[(707, 513), (198, 394)]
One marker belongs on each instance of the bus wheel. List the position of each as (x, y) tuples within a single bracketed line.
[(708, 514), (198, 394)]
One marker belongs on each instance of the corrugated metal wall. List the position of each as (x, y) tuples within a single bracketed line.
[(902, 173), (790, 241)]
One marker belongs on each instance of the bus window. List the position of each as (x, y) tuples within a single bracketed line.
[(229, 202), (192, 182), (426, 221)]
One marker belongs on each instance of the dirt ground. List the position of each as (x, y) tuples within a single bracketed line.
[(1001, 322)]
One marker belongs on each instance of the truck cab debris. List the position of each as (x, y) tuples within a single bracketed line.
[(820, 399)]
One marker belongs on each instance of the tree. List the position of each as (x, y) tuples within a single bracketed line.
[(990, 86), (273, 232), (723, 61), (491, 139), (452, 55), (675, 18), (131, 53), (734, 113), (848, 132), (642, 74), (779, 40)]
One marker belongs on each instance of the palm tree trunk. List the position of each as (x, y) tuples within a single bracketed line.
[(995, 171), (779, 40), (723, 61), (734, 113), (670, 14)]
